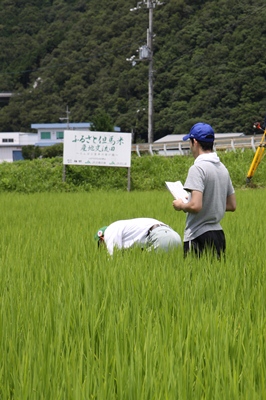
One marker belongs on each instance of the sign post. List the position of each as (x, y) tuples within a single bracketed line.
[(105, 149)]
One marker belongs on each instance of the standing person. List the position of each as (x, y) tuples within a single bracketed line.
[(146, 232), (212, 194)]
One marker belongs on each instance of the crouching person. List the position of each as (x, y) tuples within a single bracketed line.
[(148, 233)]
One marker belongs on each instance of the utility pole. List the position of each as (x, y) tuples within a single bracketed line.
[(150, 46), (146, 53)]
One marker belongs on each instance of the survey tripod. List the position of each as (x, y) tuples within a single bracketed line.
[(259, 152)]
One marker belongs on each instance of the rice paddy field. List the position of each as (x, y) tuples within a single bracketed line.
[(77, 324)]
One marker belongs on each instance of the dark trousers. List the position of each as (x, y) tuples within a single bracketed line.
[(211, 240)]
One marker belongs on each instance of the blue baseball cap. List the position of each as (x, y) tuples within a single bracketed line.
[(201, 132)]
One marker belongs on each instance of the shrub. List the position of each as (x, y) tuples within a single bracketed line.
[(30, 152), (53, 151)]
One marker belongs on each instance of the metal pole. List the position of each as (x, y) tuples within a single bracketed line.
[(128, 179), (150, 46), (148, 49)]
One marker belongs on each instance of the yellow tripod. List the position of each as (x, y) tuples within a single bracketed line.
[(258, 154)]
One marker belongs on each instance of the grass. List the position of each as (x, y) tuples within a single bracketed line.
[(78, 324), (146, 173)]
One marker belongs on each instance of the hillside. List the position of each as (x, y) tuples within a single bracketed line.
[(209, 63)]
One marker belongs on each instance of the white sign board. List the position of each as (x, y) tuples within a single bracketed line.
[(107, 149)]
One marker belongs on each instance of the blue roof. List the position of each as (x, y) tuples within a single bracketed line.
[(62, 125)]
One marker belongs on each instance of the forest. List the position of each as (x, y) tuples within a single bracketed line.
[(209, 64)]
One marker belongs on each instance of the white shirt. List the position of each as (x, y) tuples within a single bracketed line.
[(125, 233)]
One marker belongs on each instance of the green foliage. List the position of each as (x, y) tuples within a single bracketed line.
[(209, 64), (101, 122), (146, 173), (30, 152), (55, 150)]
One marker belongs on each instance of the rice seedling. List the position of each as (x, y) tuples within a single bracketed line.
[(76, 323)]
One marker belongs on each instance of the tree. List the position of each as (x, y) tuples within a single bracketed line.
[(208, 58), (30, 152), (53, 151), (102, 122)]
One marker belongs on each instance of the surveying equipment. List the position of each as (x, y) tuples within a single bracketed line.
[(259, 152)]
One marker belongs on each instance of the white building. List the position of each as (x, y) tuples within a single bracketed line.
[(47, 135), (50, 134), (11, 144)]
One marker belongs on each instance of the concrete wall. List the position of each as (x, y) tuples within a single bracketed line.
[(11, 144)]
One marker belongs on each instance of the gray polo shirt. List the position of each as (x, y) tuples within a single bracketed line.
[(209, 176)]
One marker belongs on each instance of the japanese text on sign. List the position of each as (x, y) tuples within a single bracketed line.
[(97, 148)]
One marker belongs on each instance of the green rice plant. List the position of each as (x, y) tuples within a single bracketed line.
[(76, 323)]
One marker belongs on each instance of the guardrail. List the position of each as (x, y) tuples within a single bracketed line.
[(182, 148)]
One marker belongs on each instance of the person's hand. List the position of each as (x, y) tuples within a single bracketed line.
[(178, 204)]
